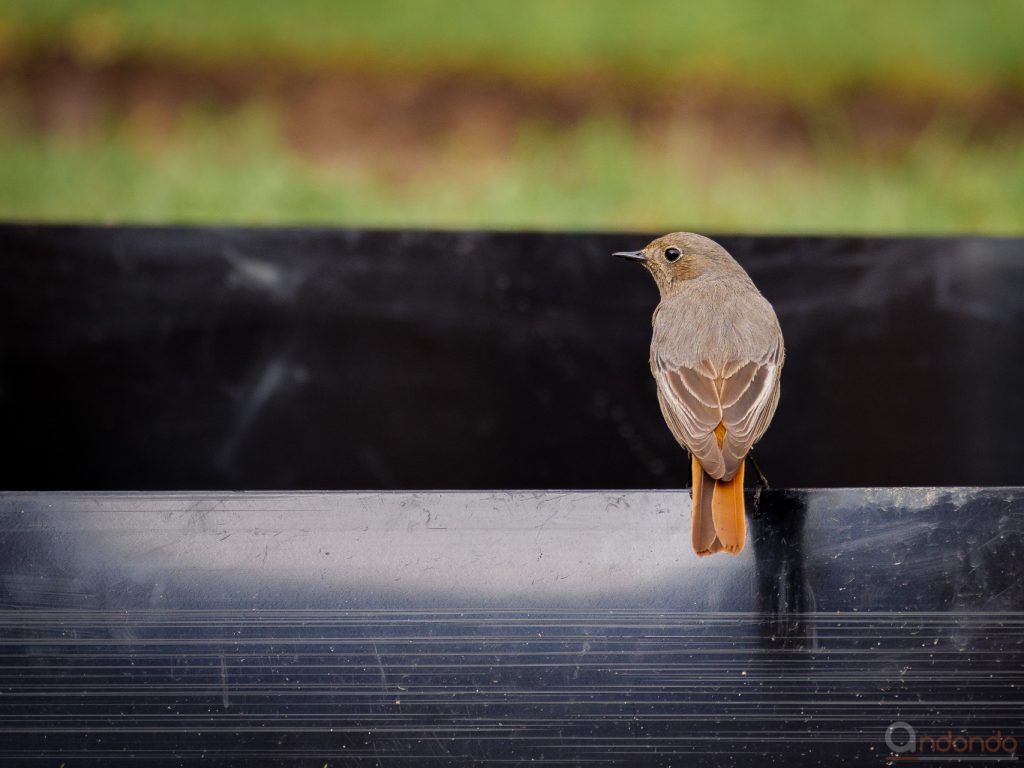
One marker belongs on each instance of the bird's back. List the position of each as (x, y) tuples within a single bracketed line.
[(719, 320)]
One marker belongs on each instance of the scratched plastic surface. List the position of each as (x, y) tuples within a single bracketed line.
[(481, 628), (184, 358)]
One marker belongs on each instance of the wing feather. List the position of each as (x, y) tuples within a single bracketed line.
[(741, 395)]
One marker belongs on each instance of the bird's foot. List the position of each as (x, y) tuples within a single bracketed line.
[(762, 485)]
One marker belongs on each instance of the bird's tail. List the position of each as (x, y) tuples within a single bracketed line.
[(719, 522)]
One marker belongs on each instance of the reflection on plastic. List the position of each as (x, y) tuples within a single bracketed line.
[(470, 628)]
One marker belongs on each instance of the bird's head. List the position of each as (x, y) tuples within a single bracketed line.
[(681, 256)]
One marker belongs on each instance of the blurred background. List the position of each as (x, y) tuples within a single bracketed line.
[(526, 114)]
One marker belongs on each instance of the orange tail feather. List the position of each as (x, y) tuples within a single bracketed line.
[(728, 514), (705, 541), (719, 521)]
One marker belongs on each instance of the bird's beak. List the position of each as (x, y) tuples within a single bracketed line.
[(631, 255)]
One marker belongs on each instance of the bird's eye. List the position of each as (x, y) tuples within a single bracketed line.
[(671, 254)]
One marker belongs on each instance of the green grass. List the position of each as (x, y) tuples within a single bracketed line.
[(595, 177), (600, 174), (801, 48)]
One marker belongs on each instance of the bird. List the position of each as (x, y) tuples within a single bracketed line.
[(716, 356)]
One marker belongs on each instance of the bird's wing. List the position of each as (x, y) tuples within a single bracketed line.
[(692, 409), (740, 395)]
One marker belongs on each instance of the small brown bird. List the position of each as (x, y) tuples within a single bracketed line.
[(716, 355)]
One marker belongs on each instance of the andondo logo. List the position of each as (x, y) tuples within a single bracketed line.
[(908, 746)]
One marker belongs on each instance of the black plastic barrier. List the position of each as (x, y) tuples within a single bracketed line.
[(393, 621), (178, 358), (496, 628)]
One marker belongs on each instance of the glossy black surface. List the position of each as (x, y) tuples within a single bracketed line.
[(182, 358), (498, 628)]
